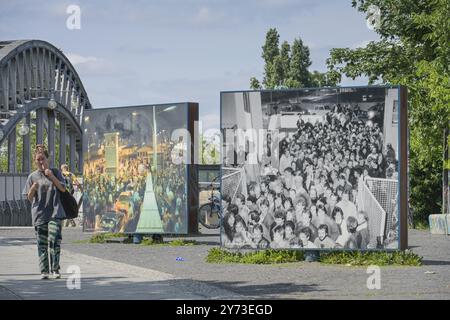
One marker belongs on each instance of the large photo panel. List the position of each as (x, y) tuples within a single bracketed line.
[(311, 168), (133, 181)]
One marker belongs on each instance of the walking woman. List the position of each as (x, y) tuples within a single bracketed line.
[(46, 210)]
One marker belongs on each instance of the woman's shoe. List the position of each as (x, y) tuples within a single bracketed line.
[(44, 275), (56, 274)]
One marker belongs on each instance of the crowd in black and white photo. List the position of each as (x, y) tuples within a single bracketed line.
[(307, 197)]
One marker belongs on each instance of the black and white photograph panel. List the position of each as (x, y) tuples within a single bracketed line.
[(310, 168)]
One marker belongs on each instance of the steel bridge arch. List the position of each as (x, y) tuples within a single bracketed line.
[(33, 72)]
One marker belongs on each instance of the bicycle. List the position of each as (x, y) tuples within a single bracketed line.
[(209, 214)]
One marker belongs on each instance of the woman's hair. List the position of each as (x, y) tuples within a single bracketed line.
[(307, 232), (233, 209), (291, 225), (320, 206), (352, 224), (255, 216), (40, 149), (337, 210), (258, 227), (277, 229), (279, 214), (239, 219)]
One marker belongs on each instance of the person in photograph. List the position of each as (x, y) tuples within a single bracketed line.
[(346, 205), (243, 209), (264, 189), (290, 216), (279, 219), (323, 240), (258, 239), (352, 226), (279, 201), (278, 241), (271, 200), (390, 153), (305, 238), (313, 195), (254, 219), (323, 218), (228, 225), (241, 155), (331, 200), (300, 207), (289, 234), (287, 204), (288, 178), (241, 236), (306, 222), (226, 201), (285, 161), (298, 184), (363, 229), (266, 218), (338, 217)]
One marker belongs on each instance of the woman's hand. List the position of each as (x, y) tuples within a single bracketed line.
[(32, 191), (48, 173)]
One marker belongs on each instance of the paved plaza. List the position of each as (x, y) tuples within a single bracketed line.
[(127, 271)]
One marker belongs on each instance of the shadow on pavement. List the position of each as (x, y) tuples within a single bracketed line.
[(97, 288)]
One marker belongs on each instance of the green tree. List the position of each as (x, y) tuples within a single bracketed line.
[(299, 75), (319, 79), (414, 51), (254, 84), (285, 58), (270, 51), (287, 66)]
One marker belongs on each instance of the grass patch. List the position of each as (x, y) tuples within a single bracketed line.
[(217, 255), (182, 242), (378, 258), (102, 237), (354, 258)]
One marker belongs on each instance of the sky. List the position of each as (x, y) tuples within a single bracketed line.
[(148, 52)]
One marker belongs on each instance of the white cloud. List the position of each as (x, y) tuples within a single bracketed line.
[(77, 59), (204, 15), (210, 17)]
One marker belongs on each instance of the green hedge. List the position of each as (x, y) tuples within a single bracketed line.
[(350, 258)]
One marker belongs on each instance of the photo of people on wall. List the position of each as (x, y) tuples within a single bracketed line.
[(310, 168)]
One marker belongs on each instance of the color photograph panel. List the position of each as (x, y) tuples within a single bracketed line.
[(131, 182)]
